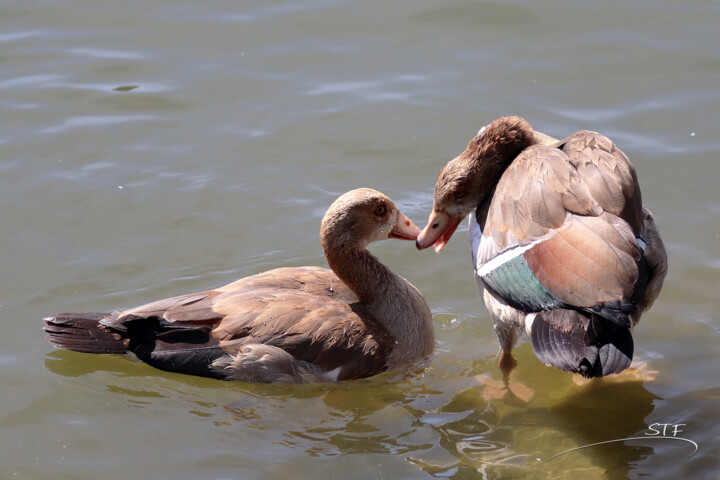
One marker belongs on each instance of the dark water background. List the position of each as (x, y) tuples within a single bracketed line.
[(149, 149)]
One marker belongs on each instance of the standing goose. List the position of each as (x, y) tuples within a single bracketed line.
[(562, 248), (289, 325)]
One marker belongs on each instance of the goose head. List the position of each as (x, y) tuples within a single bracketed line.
[(363, 216), (467, 180)]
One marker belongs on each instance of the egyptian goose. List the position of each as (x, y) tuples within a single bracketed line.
[(288, 325), (562, 248)]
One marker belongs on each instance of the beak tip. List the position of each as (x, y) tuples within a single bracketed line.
[(421, 244)]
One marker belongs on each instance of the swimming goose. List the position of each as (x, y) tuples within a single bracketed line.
[(288, 325), (562, 248)]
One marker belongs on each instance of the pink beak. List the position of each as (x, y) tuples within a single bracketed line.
[(438, 231), (404, 228)]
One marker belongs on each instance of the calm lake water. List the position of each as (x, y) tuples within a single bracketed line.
[(150, 149)]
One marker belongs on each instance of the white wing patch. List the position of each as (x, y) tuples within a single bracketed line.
[(333, 375), (529, 319), (505, 256)]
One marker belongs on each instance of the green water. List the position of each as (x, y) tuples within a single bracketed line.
[(150, 149)]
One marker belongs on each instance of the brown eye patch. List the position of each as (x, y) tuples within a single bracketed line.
[(380, 210)]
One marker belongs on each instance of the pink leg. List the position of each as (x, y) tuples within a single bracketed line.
[(507, 363)]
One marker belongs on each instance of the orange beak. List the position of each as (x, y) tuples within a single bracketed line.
[(438, 231), (404, 228)]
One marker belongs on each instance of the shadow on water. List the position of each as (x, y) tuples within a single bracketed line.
[(603, 412), (365, 416), (445, 427), (508, 437)]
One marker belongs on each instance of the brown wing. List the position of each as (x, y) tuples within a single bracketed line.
[(313, 280), (592, 260), (326, 332), (195, 308), (572, 215), (198, 308), (306, 311), (533, 197), (608, 174)]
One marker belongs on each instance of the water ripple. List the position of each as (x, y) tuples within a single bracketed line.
[(15, 36), (96, 121), (144, 87), (29, 81), (103, 53)]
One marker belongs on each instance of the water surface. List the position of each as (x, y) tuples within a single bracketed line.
[(153, 149)]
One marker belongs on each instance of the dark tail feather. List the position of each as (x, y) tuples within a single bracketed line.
[(81, 332), (574, 342)]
